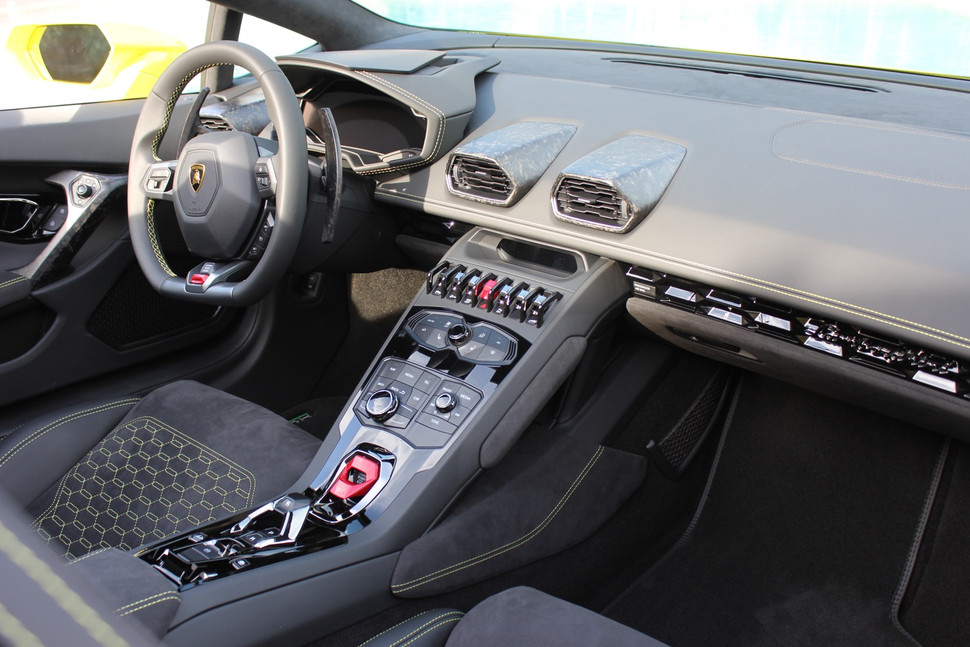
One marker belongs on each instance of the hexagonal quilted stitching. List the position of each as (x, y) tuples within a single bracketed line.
[(143, 482)]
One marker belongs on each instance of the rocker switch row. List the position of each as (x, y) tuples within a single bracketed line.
[(490, 293)]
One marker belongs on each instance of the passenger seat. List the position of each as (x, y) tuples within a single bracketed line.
[(517, 617)]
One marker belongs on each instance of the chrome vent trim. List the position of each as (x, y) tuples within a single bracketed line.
[(591, 201), (215, 122), (501, 167), (480, 178), (616, 186)]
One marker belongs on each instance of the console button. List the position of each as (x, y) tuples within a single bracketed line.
[(521, 302), (489, 292), (438, 339), (468, 397), (427, 382), (506, 294), (436, 423), (457, 286), (492, 354), (239, 563), (409, 375), (391, 369), (403, 391), (417, 399), (450, 387), (421, 436), (458, 415), (444, 280), (380, 382), (471, 350), (432, 275), (539, 308)]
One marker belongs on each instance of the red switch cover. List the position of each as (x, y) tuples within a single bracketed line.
[(356, 478)]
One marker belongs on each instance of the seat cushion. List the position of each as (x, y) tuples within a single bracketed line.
[(183, 456), (524, 617)]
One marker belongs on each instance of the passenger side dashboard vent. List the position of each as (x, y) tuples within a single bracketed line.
[(501, 167), (616, 186), (591, 201)]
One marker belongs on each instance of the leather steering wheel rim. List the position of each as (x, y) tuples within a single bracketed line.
[(289, 164)]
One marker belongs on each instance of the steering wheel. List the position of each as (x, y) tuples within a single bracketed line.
[(239, 204)]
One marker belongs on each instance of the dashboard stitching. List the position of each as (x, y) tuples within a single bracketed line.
[(852, 169), (778, 288), (442, 121)]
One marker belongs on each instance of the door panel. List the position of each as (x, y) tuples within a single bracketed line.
[(93, 313)]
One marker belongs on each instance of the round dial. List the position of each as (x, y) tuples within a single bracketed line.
[(381, 405)]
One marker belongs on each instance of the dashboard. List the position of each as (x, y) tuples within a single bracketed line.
[(830, 202)]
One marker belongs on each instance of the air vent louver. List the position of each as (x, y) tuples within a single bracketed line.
[(501, 167), (616, 186), (211, 122), (482, 178), (591, 200)]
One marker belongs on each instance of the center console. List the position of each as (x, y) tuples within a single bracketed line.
[(499, 326)]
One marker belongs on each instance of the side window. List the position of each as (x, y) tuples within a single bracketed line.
[(272, 39), (85, 51)]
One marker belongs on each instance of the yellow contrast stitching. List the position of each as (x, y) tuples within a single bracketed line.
[(64, 491), (143, 600), (435, 619), (777, 288), (169, 597), (150, 209), (14, 630), (55, 587), (442, 120), (512, 545), (72, 562), (61, 421), (426, 631), (153, 238), (12, 281), (170, 106)]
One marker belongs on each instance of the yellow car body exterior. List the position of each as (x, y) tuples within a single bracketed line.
[(136, 58)]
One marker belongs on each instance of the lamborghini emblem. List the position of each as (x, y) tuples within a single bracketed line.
[(196, 176)]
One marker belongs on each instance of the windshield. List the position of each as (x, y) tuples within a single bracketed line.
[(930, 36)]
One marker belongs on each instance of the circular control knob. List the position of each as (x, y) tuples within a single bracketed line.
[(459, 334), (445, 402), (381, 405), (83, 190)]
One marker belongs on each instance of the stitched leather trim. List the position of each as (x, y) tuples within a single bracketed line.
[(777, 288), (62, 421), (54, 586), (13, 281), (150, 209), (134, 607), (512, 545), (441, 620), (442, 121)]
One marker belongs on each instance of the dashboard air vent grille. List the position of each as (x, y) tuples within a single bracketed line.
[(480, 178), (591, 201), (212, 122)]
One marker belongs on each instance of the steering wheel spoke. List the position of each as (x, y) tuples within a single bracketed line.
[(209, 273), (158, 180)]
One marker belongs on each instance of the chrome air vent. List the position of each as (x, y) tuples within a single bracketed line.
[(616, 186), (501, 167), (479, 178), (591, 201), (214, 122)]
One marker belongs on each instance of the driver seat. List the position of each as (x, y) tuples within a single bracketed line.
[(127, 472)]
